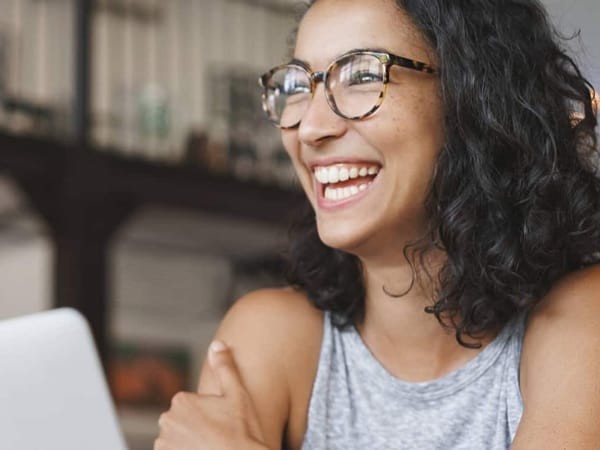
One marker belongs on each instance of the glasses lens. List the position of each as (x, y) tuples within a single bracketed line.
[(287, 95), (356, 84)]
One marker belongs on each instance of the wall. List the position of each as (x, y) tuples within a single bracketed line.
[(40, 49), (573, 15)]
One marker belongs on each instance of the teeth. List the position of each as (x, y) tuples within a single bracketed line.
[(344, 174), (332, 193), (331, 175), (322, 175), (335, 174)]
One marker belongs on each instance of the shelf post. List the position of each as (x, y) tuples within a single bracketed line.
[(81, 106)]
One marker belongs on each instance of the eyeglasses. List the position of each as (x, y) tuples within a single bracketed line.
[(355, 86)]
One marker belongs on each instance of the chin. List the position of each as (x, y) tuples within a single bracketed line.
[(346, 238)]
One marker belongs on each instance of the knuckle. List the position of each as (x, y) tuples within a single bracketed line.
[(180, 398), (160, 444), (163, 419)]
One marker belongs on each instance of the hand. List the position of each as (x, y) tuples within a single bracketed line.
[(224, 421)]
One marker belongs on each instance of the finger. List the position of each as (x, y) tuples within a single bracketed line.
[(225, 369)]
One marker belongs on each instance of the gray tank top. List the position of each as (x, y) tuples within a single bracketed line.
[(356, 404)]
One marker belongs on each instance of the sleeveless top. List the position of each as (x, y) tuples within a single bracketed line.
[(356, 404)]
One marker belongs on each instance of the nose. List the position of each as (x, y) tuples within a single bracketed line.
[(320, 123)]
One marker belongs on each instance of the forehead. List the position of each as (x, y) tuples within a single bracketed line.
[(333, 27)]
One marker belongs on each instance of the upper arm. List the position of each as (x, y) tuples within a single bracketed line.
[(560, 367), (262, 331)]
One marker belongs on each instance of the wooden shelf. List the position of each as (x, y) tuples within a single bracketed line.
[(48, 162)]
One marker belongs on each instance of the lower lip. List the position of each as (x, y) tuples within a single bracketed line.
[(331, 205)]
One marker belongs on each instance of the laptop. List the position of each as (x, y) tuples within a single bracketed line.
[(53, 394)]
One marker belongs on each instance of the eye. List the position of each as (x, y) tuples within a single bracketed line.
[(364, 77), (289, 81), (297, 98), (296, 89)]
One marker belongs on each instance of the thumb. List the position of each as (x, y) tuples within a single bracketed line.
[(225, 370)]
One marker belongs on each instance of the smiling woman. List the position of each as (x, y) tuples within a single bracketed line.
[(445, 275)]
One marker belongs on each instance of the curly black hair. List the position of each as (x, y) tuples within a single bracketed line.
[(515, 197)]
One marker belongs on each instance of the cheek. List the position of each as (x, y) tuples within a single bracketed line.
[(414, 129), (290, 141), (289, 138), (409, 140)]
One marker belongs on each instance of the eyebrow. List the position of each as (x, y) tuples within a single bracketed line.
[(305, 64)]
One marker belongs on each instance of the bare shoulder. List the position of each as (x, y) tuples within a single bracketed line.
[(560, 365), (574, 294), (275, 336)]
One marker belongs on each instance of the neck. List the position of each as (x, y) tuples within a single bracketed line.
[(412, 289), (408, 341)]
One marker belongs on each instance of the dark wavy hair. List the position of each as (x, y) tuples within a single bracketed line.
[(515, 197)]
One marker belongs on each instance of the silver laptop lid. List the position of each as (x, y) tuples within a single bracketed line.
[(53, 394)]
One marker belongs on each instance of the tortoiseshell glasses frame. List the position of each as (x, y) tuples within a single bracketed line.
[(386, 59)]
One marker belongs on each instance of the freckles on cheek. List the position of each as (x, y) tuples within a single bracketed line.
[(393, 133)]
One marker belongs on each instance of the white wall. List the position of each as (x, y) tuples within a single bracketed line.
[(25, 256), (25, 278), (41, 48), (573, 15)]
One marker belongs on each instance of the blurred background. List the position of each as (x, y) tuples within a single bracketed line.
[(139, 181)]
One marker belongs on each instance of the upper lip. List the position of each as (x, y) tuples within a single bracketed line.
[(330, 161)]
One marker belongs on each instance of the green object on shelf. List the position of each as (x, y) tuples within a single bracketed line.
[(154, 114)]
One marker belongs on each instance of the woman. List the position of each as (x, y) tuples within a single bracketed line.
[(446, 286)]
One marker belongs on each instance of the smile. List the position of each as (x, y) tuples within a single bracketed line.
[(343, 181)]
